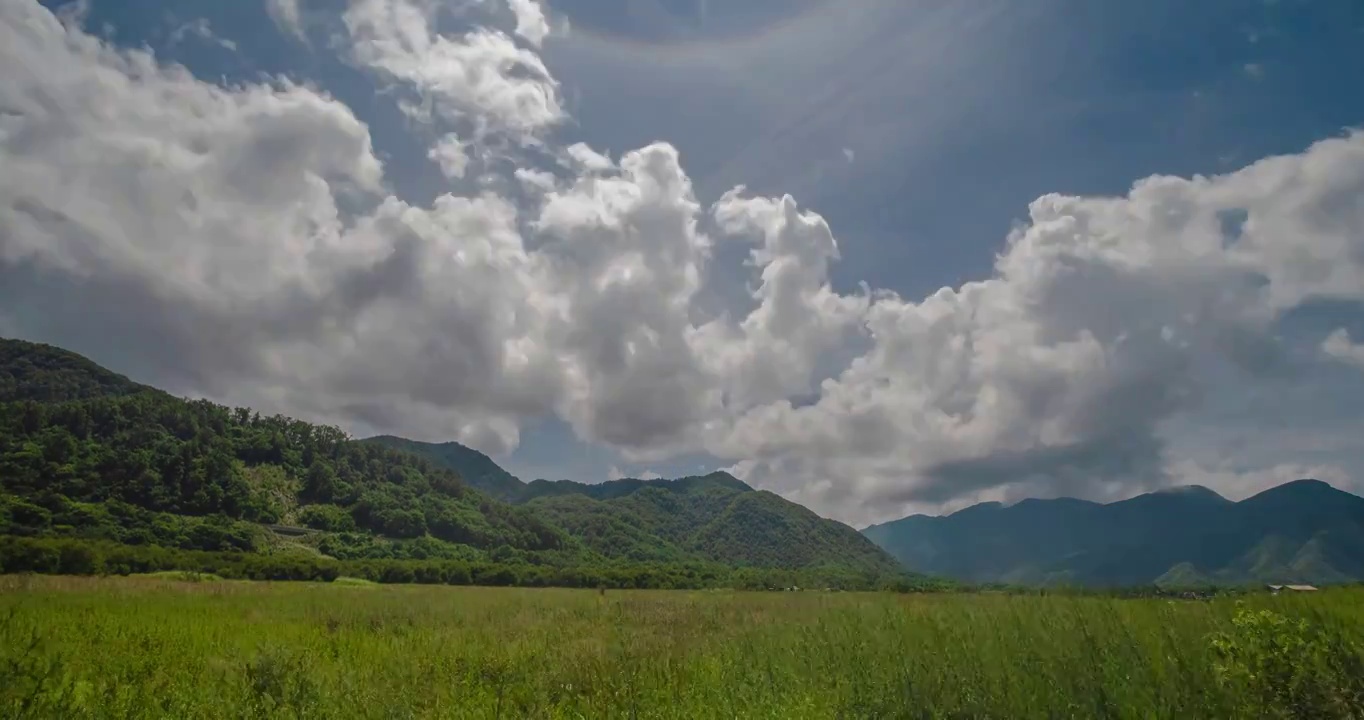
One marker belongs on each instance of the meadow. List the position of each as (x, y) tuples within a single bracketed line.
[(169, 647)]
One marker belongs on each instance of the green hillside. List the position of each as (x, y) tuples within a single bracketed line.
[(474, 467), (87, 455), (713, 517), (1301, 532), (43, 373), (148, 468)]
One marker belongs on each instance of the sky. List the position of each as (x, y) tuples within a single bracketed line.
[(877, 256)]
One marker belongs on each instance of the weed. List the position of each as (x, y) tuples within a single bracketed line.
[(143, 647)]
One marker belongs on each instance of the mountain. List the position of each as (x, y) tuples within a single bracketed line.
[(43, 373), (474, 467), (714, 517), (89, 455), (1303, 531)]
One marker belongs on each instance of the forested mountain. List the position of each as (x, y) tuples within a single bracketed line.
[(473, 467), (715, 517), (145, 467), (89, 455), (43, 373), (1303, 531)]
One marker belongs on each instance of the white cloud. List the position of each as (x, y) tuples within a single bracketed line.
[(582, 157), (530, 20), (288, 15), (237, 242), (772, 353), (450, 153), (1105, 318), (536, 182), (195, 235), (615, 474), (200, 29), (625, 260), (242, 243), (480, 78), (1339, 346)]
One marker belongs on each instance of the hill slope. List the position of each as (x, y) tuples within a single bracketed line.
[(714, 517), (474, 467), (43, 373), (1303, 531)]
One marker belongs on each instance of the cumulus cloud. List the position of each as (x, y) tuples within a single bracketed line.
[(243, 243), (198, 236), (479, 77), (1339, 346), (240, 243), (1104, 318)]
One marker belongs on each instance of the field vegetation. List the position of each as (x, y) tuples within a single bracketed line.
[(174, 646)]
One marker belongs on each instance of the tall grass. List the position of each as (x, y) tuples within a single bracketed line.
[(154, 647)]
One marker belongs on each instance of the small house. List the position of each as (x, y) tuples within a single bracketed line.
[(1291, 588)]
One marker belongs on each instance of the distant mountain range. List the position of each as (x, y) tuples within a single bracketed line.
[(87, 453), (1304, 531)]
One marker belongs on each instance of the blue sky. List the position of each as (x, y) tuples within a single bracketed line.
[(920, 132)]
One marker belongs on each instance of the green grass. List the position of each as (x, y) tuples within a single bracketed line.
[(181, 576), (150, 647), (354, 582)]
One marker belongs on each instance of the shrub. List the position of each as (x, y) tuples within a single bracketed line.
[(331, 518), (1288, 668)]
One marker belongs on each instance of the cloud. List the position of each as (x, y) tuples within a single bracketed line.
[(1238, 484), (451, 154), (1340, 347), (203, 237), (202, 30), (615, 474), (530, 20), (1105, 318), (480, 77), (243, 243), (288, 16)]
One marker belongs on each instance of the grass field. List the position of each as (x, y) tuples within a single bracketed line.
[(158, 647)]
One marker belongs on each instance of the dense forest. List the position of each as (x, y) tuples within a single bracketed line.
[(101, 473)]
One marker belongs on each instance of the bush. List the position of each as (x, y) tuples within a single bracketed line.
[(330, 518), (1286, 668)]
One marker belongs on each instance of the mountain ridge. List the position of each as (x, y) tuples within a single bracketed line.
[(1300, 531), (714, 516)]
